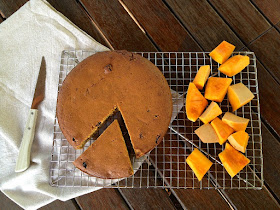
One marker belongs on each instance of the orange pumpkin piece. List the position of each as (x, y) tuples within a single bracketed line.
[(239, 140), (239, 95), (195, 103), (236, 122), (212, 111), (222, 52), (198, 163), (233, 160), (222, 129), (201, 76), (207, 134), (234, 65), (216, 88)]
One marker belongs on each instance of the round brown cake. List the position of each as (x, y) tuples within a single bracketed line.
[(110, 81)]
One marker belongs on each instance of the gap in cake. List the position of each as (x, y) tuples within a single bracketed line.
[(116, 114)]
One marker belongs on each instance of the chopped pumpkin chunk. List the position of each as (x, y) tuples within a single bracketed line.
[(212, 111), (195, 103), (232, 160), (239, 95), (198, 163), (201, 76), (234, 65), (236, 122), (222, 52), (239, 140), (222, 129), (216, 88)]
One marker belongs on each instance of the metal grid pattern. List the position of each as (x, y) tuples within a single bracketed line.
[(165, 166)]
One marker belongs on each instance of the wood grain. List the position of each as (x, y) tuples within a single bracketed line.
[(243, 17), (8, 7), (201, 199), (102, 199), (267, 51), (271, 148), (74, 12), (254, 199), (161, 25), (269, 98), (6, 203), (204, 23), (278, 26), (146, 198), (270, 8), (116, 24), (60, 205)]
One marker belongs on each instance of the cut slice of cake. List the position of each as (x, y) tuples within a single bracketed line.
[(107, 157)]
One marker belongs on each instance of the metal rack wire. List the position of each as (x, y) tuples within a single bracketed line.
[(165, 166)]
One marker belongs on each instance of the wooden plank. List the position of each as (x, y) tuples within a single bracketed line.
[(203, 23), (269, 98), (74, 12), (252, 199), (60, 205), (201, 199), (146, 198), (8, 8), (6, 203), (243, 17), (267, 51), (116, 24), (271, 148), (161, 25), (102, 199), (270, 8)]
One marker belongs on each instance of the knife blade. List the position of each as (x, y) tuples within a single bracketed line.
[(23, 160)]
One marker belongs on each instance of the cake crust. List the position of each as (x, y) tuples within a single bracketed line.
[(115, 80), (102, 160)]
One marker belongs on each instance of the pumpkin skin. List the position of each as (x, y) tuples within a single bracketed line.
[(222, 52), (201, 76), (216, 88), (222, 129), (195, 103), (212, 111), (239, 95), (239, 140), (234, 65), (198, 163), (232, 160), (236, 122)]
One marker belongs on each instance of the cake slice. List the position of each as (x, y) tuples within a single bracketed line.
[(107, 157)]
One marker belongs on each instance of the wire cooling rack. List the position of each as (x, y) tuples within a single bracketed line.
[(165, 166)]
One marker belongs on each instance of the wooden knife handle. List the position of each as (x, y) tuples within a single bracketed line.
[(23, 160)]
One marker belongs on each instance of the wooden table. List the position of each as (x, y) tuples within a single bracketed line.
[(180, 25)]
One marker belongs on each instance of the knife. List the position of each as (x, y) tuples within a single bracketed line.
[(23, 160)]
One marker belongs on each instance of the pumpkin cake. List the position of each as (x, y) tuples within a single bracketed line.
[(115, 80), (102, 159)]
